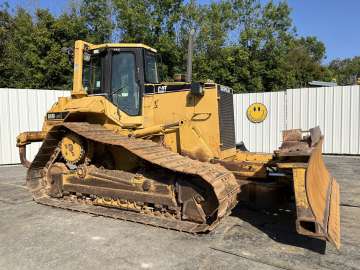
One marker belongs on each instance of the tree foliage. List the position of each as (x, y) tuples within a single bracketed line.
[(98, 21), (346, 71), (154, 23), (240, 43), (32, 55)]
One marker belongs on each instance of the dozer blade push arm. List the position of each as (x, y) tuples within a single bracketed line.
[(24, 139)]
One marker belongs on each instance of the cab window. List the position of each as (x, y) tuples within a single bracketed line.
[(92, 75), (125, 90), (151, 74)]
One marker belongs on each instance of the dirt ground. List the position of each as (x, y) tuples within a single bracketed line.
[(33, 236)]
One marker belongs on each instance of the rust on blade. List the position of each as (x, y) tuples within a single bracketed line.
[(292, 135)]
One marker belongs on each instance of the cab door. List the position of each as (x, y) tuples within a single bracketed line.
[(127, 80)]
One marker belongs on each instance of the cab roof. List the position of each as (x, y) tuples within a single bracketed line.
[(122, 45)]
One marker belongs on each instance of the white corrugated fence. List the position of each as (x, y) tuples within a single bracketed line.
[(22, 110), (261, 137), (335, 109)]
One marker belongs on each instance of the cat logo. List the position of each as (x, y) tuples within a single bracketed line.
[(256, 112)]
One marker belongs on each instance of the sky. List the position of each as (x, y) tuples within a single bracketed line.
[(334, 22)]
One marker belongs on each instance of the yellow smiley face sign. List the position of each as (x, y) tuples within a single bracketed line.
[(256, 112)]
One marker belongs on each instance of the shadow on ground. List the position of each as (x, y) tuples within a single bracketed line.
[(279, 225)]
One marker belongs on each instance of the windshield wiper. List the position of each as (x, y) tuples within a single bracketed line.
[(118, 90)]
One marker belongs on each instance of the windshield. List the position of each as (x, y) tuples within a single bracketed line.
[(151, 75), (92, 74), (124, 86)]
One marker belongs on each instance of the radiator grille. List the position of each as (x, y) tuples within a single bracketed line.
[(226, 117)]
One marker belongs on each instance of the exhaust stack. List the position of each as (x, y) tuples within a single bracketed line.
[(189, 56)]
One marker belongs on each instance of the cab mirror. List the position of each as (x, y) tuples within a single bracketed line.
[(197, 89), (87, 57)]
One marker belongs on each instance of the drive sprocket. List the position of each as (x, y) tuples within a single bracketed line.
[(71, 148)]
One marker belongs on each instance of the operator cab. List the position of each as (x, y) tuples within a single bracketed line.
[(120, 72)]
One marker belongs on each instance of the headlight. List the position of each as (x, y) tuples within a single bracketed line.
[(56, 115)]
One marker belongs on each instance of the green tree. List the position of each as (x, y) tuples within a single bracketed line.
[(6, 24), (211, 53), (18, 56), (268, 55), (244, 44), (98, 21), (32, 56), (265, 34), (346, 71), (304, 62), (152, 22)]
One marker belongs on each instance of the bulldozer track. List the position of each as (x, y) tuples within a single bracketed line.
[(221, 180)]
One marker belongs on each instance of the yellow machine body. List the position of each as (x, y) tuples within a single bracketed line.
[(187, 125), (186, 119)]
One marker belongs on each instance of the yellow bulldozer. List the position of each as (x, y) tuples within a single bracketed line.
[(128, 146)]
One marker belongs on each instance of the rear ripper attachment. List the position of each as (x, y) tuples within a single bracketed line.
[(76, 169), (316, 191)]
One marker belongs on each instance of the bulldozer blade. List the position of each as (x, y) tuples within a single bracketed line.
[(317, 199)]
